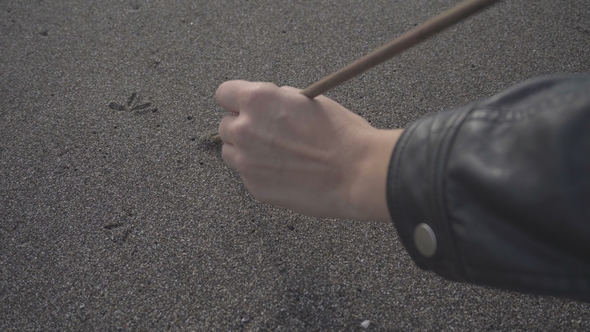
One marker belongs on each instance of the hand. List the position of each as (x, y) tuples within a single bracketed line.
[(311, 156)]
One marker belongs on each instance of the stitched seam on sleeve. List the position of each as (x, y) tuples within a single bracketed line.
[(441, 181)]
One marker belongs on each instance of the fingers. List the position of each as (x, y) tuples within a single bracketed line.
[(228, 153), (235, 95), (227, 95), (241, 98), (224, 129), (290, 88)]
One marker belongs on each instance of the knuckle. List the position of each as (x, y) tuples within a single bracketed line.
[(258, 94), (219, 90), (242, 131)]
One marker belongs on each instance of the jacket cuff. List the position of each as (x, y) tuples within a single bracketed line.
[(415, 192)]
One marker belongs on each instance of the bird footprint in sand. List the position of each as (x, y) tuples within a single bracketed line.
[(134, 104)]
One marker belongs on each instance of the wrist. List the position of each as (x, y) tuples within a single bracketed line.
[(368, 185)]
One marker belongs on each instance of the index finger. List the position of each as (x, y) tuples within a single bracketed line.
[(227, 95)]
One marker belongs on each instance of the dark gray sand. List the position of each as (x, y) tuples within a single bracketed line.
[(117, 215)]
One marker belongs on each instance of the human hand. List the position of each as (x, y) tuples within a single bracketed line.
[(311, 156)]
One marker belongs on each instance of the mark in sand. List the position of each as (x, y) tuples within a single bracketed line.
[(119, 232), (111, 226), (134, 104)]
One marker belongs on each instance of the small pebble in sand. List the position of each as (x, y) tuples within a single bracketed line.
[(366, 324)]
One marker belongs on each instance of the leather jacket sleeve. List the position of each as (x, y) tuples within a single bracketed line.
[(498, 192)]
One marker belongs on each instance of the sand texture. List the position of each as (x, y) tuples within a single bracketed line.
[(117, 213)]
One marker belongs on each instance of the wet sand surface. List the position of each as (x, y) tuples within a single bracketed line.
[(118, 214)]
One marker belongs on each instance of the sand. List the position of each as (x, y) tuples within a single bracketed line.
[(117, 214)]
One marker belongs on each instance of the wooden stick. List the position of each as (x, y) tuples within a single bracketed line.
[(395, 47), (398, 45)]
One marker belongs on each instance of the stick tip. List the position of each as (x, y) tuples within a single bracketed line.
[(216, 138)]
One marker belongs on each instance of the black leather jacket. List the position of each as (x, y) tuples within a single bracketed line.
[(498, 192)]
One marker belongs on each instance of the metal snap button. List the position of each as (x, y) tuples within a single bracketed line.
[(425, 240)]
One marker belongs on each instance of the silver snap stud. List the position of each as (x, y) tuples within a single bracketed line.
[(425, 240)]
